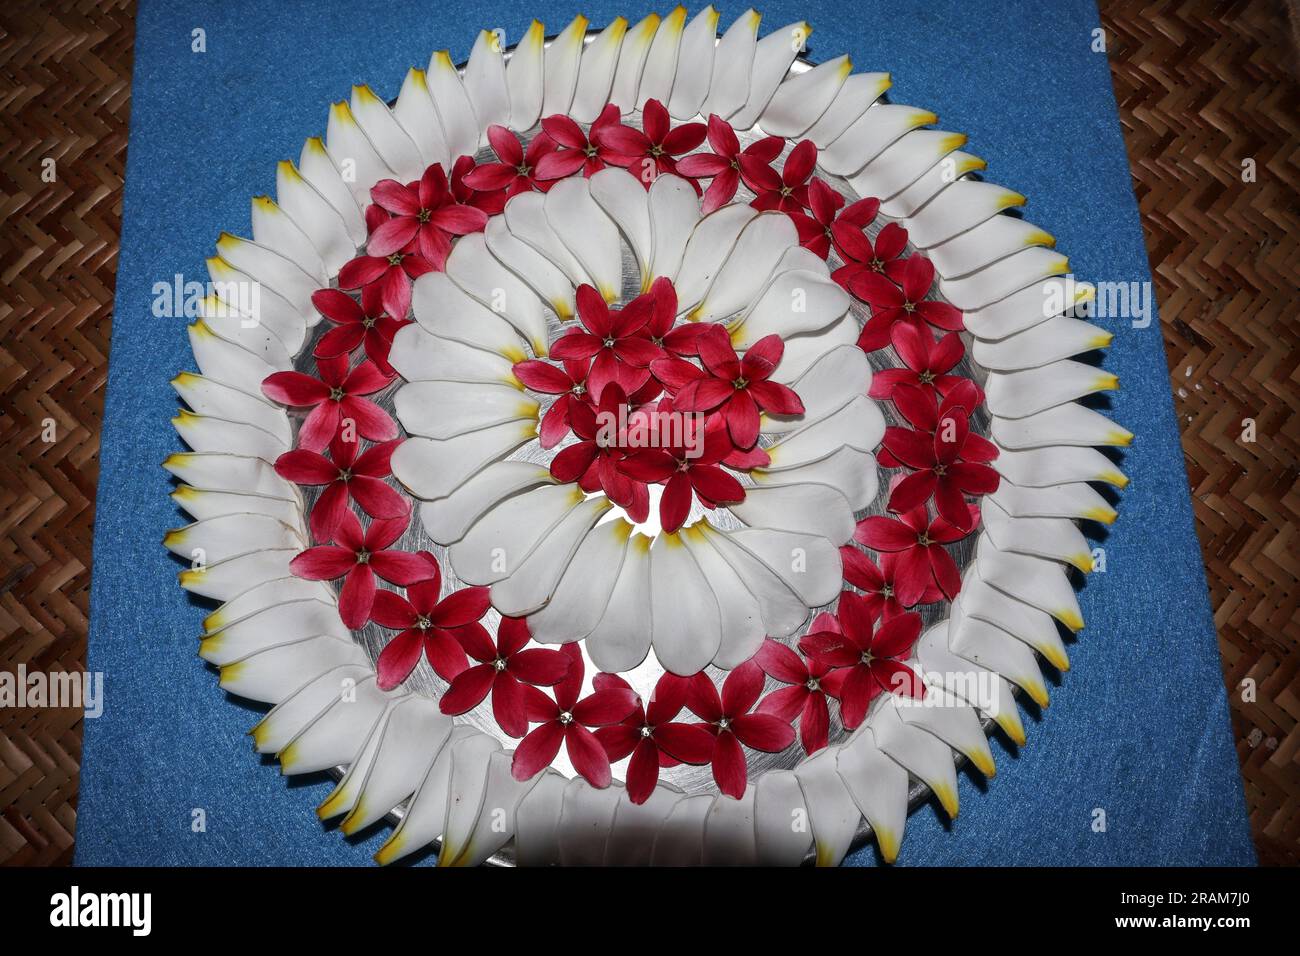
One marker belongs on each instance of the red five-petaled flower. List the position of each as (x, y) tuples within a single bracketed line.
[(728, 164), (566, 719), (889, 304), (610, 338), (391, 275), (810, 682), (653, 736), (357, 557), (425, 213), (927, 362), (355, 324), (874, 658), (862, 256), (516, 171), (347, 475), (655, 150), (788, 189), (577, 150), (738, 387), (334, 399), (509, 671), (593, 460), (879, 584), (568, 382), (919, 543), (659, 329), (729, 717), (437, 627)]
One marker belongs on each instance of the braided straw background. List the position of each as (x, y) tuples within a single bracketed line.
[(1201, 87)]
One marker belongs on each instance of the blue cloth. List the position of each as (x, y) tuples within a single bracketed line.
[(1138, 729)]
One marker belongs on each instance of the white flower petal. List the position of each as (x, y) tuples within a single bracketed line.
[(859, 424), (963, 205), (588, 233), (626, 202), (224, 361), (740, 614), (414, 111), (223, 580), (1000, 279), (729, 838), (208, 397), (987, 243), (473, 267), (1036, 581), (803, 351), (485, 83), (751, 262), (460, 126), (622, 638), (782, 609), (684, 618), (288, 718), (801, 99), (680, 841), (936, 179), (1056, 538), (246, 305), (537, 821), (1077, 501), (1041, 467), (227, 536), (904, 162), (661, 61), (833, 815), (535, 580), (782, 836), (334, 736), (993, 648), (633, 830), (584, 592), (674, 213), (1017, 394), (1046, 342), (265, 595), (551, 285), (984, 690), (585, 821), (482, 799), (694, 65), (858, 92), (272, 674), (732, 65), (805, 508), (524, 78), (1063, 425), (1033, 626), (794, 302), (955, 723), (419, 355), (275, 229), (596, 72), (925, 755), (199, 504), (631, 62), (711, 241), (318, 217), (525, 216), (772, 58), (1028, 307), (353, 154), (272, 626), (878, 786), (447, 519), (879, 127), (386, 134), (561, 75), (434, 469), (840, 375), (808, 564), (444, 410), (446, 310), (205, 433), (426, 814), (852, 471), (498, 543)]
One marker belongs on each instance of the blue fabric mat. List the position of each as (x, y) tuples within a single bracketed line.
[(1138, 730)]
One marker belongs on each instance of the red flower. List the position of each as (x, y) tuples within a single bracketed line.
[(927, 361), (740, 388), (879, 585), (656, 148), (860, 255), (516, 169), (345, 475), (810, 681), (436, 627), (576, 150), (356, 324), (611, 338), (567, 719), (919, 541), (569, 381), (593, 460), (334, 398), (357, 557), (945, 467), (425, 216), (686, 461), (488, 201), (815, 230), (728, 164), (787, 190), (889, 304), (729, 717), (659, 329), (873, 659), (391, 275), (652, 736), (507, 670)]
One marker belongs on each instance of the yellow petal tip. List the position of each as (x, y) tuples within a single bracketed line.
[(1071, 619)]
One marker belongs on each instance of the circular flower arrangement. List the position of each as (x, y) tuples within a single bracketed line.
[(625, 518)]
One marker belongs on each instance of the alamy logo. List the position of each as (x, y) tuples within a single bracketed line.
[(74, 908)]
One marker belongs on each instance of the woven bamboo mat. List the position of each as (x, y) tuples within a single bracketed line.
[(1202, 86)]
